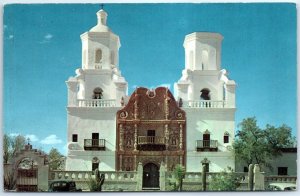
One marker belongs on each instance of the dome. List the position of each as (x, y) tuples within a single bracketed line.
[(101, 25)]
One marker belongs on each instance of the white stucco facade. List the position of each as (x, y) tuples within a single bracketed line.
[(95, 95), (208, 98), (284, 165)]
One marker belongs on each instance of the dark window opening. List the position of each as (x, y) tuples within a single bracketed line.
[(206, 136), (282, 171), (97, 93), (98, 55), (95, 136), (226, 139), (95, 166), (205, 94), (206, 140), (246, 169), (74, 138), (207, 166), (151, 133), (95, 139)]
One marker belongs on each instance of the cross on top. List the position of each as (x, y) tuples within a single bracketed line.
[(101, 5)]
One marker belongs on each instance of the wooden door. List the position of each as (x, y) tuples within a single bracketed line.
[(150, 176), (206, 140), (95, 139)]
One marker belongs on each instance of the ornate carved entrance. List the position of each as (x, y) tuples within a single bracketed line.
[(150, 129)]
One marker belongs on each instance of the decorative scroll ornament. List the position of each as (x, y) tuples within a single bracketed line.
[(95, 160), (205, 160), (151, 93), (123, 114), (179, 114), (229, 148)]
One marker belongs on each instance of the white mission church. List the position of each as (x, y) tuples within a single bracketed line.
[(109, 129)]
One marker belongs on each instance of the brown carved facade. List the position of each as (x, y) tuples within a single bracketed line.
[(151, 128)]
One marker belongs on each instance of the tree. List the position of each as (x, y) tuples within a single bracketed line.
[(56, 160), (9, 180), (18, 143), (259, 146), (96, 184), (6, 148), (179, 173), (224, 181), (12, 145)]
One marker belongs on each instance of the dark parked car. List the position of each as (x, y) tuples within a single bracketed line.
[(63, 186), (281, 187)]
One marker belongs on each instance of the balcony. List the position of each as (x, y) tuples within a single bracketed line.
[(205, 104), (151, 143), (206, 145), (100, 103), (94, 144)]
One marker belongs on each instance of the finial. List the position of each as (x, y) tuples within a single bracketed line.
[(28, 140), (122, 101), (101, 5)]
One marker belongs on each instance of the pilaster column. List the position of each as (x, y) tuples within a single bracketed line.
[(167, 135), (72, 92), (136, 106), (230, 94), (121, 137), (134, 162), (167, 105), (180, 137), (120, 162), (166, 162), (135, 137)]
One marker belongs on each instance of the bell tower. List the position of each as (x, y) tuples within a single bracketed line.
[(207, 96), (100, 46), (99, 72), (94, 96), (202, 78), (202, 51)]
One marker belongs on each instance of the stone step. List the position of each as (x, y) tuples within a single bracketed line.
[(151, 189)]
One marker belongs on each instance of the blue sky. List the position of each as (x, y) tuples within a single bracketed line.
[(42, 48)]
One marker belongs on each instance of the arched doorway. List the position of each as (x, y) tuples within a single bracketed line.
[(205, 94), (150, 176), (97, 93)]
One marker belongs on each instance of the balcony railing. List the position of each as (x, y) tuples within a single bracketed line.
[(151, 143), (205, 104), (94, 144), (207, 145), (96, 103), (151, 140)]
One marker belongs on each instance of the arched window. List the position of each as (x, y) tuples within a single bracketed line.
[(205, 162), (98, 55), (84, 57), (97, 93), (206, 139), (191, 59), (226, 137), (205, 94), (204, 59), (95, 163), (112, 57)]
